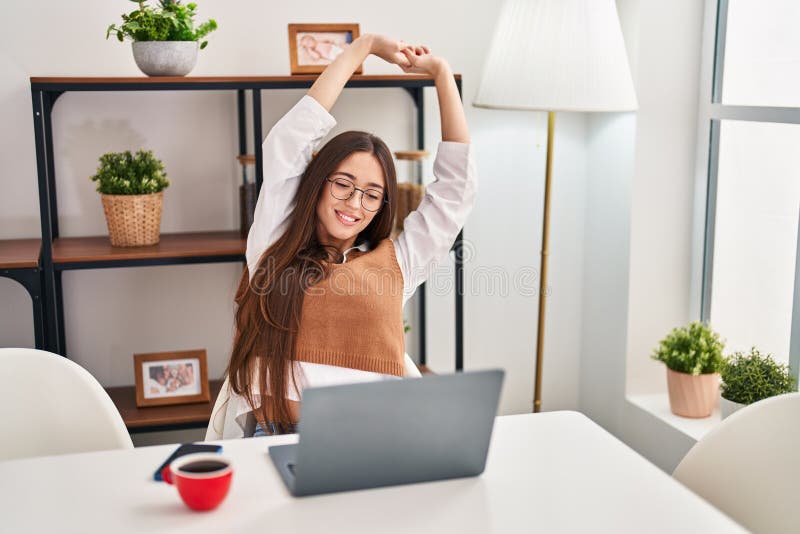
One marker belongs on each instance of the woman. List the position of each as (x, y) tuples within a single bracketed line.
[(321, 300)]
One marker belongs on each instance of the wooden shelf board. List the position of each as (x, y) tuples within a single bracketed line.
[(124, 398), (247, 159), (180, 80), (181, 245), (19, 253), (411, 155)]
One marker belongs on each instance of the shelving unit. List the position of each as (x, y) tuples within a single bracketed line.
[(93, 252), (155, 418), (19, 261), (96, 252)]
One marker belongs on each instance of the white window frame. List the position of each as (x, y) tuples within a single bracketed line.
[(711, 113)]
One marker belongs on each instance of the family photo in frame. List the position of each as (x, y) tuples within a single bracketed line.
[(164, 378), (314, 46)]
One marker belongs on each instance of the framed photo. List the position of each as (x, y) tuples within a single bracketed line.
[(314, 46), (164, 378)]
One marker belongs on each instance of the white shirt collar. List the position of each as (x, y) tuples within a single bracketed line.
[(363, 247)]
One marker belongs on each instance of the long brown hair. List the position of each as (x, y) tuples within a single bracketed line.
[(270, 301)]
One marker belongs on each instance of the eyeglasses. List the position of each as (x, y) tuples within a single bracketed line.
[(343, 189)]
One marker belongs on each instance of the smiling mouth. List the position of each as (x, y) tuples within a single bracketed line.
[(345, 219)]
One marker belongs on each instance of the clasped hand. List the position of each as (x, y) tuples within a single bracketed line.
[(412, 59)]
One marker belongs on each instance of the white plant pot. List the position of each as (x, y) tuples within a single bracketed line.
[(165, 58), (727, 407)]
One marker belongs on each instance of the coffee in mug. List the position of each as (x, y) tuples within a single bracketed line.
[(203, 466), (203, 479)]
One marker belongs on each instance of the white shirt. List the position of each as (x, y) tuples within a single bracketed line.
[(428, 234)]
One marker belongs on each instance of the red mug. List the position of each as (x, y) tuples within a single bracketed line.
[(203, 479)]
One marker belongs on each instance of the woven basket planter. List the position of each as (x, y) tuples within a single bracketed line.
[(133, 220), (248, 196), (409, 197), (692, 395)]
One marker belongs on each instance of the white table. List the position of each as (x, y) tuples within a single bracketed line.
[(549, 472)]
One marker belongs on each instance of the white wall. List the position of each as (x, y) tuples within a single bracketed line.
[(661, 208), (638, 226), (111, 314)]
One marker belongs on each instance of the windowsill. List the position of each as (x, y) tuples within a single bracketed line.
[(658, 405)]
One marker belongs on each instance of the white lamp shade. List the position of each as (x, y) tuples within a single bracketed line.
[(557, 55)]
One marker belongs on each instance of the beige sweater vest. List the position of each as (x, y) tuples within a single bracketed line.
[(354, 317)]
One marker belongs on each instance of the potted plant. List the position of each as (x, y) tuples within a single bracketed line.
[(165, 40), (131, 188), (693, 356), (748, 378)]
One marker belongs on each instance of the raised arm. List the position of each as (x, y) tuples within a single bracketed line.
[(454, 123), (329, 85), (430, 230)]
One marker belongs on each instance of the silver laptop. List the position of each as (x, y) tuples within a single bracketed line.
[(386, 433)]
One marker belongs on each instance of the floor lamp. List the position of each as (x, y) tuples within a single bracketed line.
[(556, 55)]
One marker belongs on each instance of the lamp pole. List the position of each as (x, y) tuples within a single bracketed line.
[(556, 55), (537, 388)]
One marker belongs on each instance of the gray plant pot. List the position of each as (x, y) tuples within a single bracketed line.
[(727, 407), (165, 58)]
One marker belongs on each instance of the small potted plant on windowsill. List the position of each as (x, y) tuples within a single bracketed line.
[(131, 188), (693, 356), (165, 40), (749, 378)]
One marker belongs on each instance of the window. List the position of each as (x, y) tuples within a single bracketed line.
[(750, 120), (761, 53)]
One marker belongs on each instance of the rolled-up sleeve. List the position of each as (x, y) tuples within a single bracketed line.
[(287, 150), (430, 230)]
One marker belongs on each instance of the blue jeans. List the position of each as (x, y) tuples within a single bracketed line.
[(272, 430)]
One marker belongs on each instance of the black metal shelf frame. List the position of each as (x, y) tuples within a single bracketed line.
[(31, 279), (44, 95)]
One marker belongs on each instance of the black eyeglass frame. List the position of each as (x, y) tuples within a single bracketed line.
[(332, 180)]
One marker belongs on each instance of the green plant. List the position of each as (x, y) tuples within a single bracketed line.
[(173, 21), (747, 378), (123, 173), (694, 349)]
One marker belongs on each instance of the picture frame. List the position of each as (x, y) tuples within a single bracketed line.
[(165, 378), (312, 47)]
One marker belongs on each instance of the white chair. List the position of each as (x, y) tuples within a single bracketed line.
[(749, 466), (51, 405), (220, 426)]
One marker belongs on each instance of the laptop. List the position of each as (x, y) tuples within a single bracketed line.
[(387, 433)]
